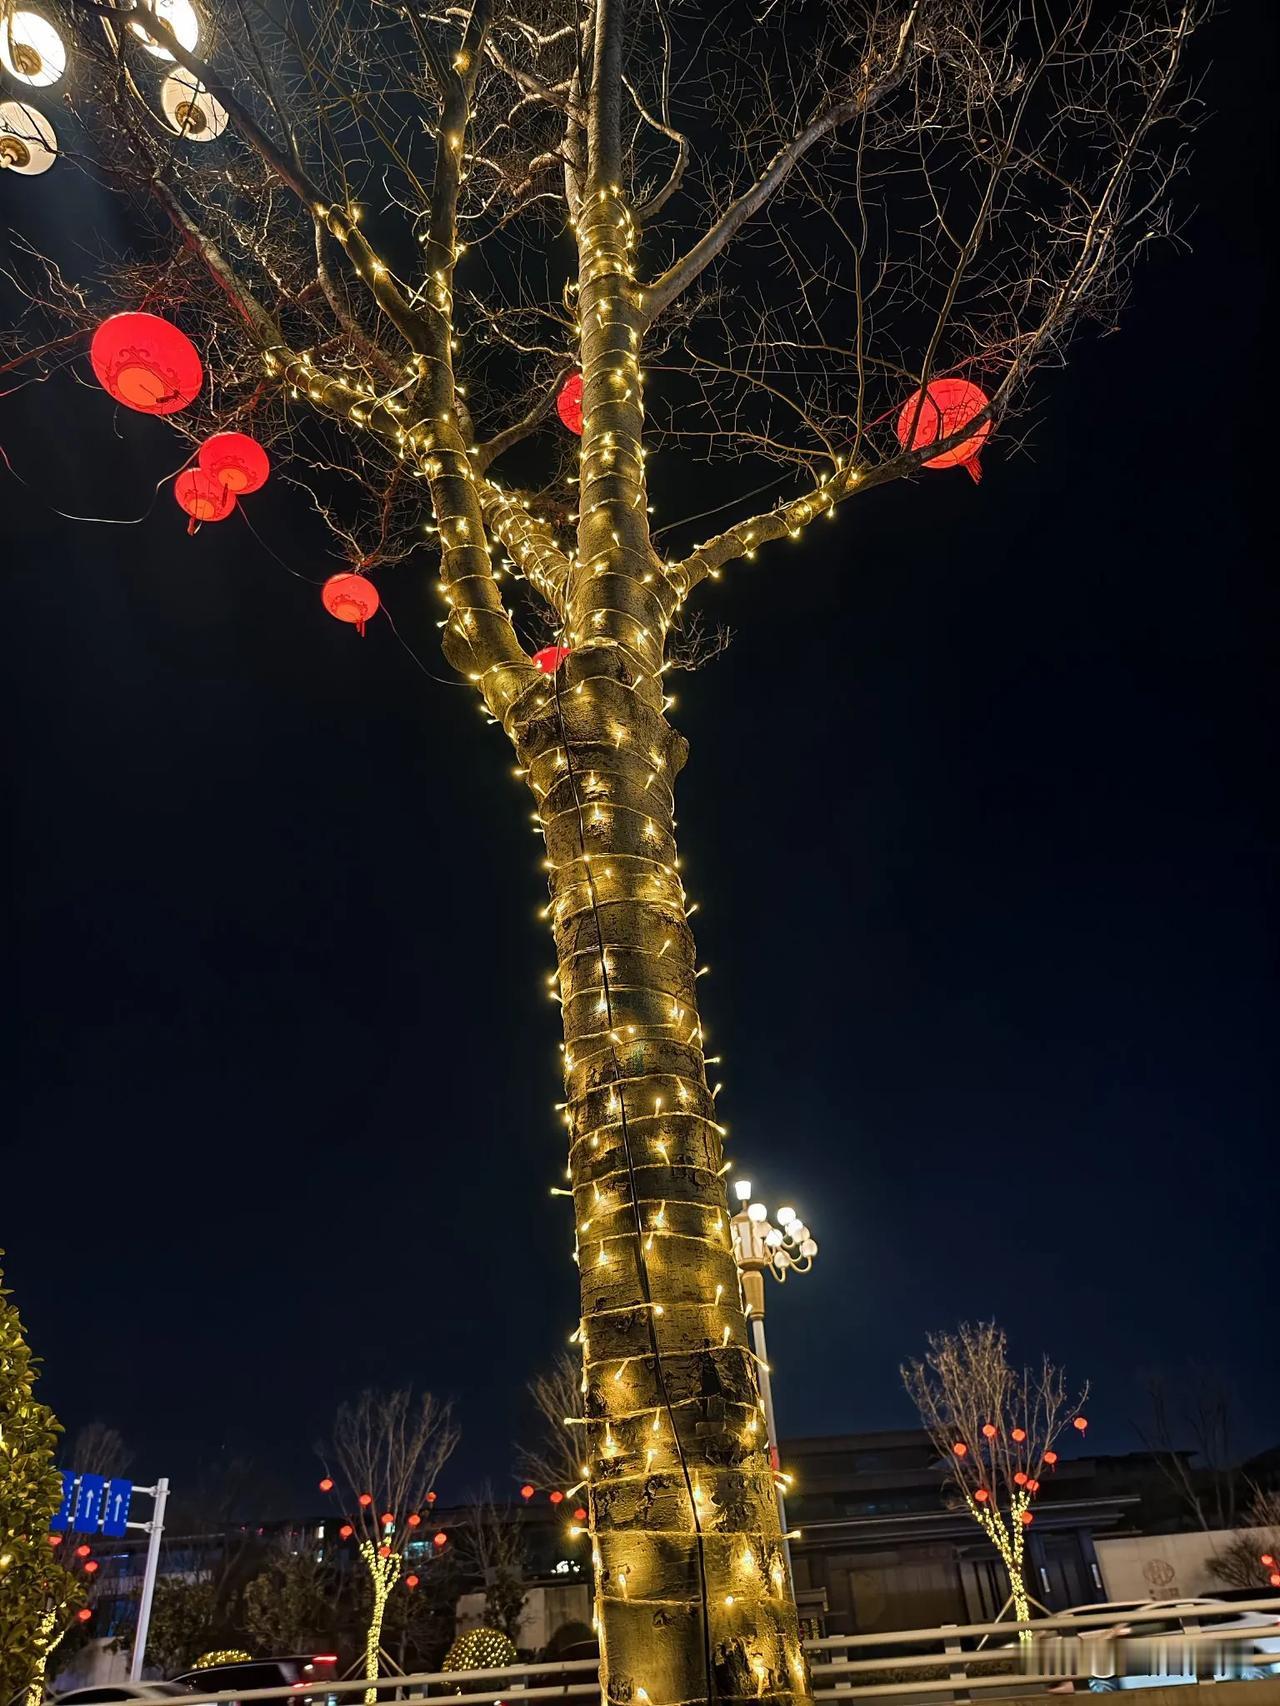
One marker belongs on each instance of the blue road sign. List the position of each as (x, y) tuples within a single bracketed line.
[(89, 1503), (62, 1516), (115, 1509)]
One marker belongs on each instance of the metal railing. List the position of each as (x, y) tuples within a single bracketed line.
[(1057, 1650)]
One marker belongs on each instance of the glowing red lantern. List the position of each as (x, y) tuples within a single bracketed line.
[(1266, 1559), (55, 1540), (439, 1539), (1021, 1477), (326, 1486), (555, 1497), (91, 1567), (414, 1520), (82, 1551), (84, 1614), (527, 1492), (351, 598), (1033, 1486), (1080, 1424), (387, 1519), (580, 1515), (1274, 1578), (236, 460), (346, 1531), (365, 1499), (550, 658), (411, 1581), (1019, 1434), (947, 406), (960, 1448), (384, 1551), (982, 1495), (146, 363), (1051, 1457), (569, 403), (988, 1430), (431, 1498), (203, 497), (1026, 1518)]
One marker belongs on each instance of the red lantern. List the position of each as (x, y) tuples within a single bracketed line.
[(1051, 1457), (1026, 1518), (84, 1614), (527, 1492), (326, 1486), (351, 598), (580, 1515), (948, 404), (431, 1498), (1266, 1558), (384, 1551), (55, 1540), (203, 497), (387, 1519), (1019, 1434), (411, 1581), (146, 363), (439, 1539), (91, 1567), (569, 403), (346, 1531), (414, 1520), (1033, 1486), (1080, 1424), (550, 658), (82, 1551), (982, 1495), (1021, 1478), (555, 1497), (365, 1499), (1274, 1578), (988, 1430), (960, 1448), (236, 460)]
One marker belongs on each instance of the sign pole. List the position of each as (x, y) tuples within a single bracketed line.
[(160, 1494)]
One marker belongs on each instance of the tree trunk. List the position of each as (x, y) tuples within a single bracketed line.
[(692, 1597)]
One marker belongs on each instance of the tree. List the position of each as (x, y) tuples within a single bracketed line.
[(491, 1543), (38, 1597), (1200, 1410), (995, 1430), (1252, 1560), (184, 1621), (388, 1448), (290, 1606), (552, 1461), (802, 218)]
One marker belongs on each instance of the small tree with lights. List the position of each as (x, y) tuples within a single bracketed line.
[(996, 1430), (479, 276), (387, 1449), (551, 1457), (38, 1596)]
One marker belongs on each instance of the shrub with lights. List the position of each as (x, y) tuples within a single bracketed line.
[(480, 1649)]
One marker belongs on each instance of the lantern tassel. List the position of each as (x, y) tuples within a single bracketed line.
[(360, 629), (973, 468), (191, 524)]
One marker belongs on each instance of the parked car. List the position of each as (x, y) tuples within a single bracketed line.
[(298, 1671), (112, 1693), (1238, 1656)]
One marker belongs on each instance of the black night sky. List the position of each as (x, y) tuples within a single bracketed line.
[(996, 1011)]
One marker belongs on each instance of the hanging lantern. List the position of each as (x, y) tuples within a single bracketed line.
[(1266, 1558), (960, 1448), (549, 659), (988, 1430), (27, 143), (1021, 1477), (31, 49), (569, 403), (982, 1495), (431, 1498), (1026, 1518), (580, 1514), (91, 1567), (527, 1492), (181, 17), (365, 1499), (190, 110), (1051, 1457), (556, 1497), (54, 1539), (326, 1486), (1274, 1578), (346, 1531), (84, 1614), (203, 497), (146, 363), (1033, 1486), (352, 598), (384, 1551), (237, 460), (1080, 1424), (1019, 1434), (948, 404), (411, 1581), (414, 1520), (82, 1551), (387, 1519), (439, 1539)]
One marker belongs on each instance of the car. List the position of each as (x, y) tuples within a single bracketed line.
[(297, 1671), (1157, 1619), (114, 1693)]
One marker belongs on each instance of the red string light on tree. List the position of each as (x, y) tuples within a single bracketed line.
[(569, 403), (146, 363), (203, 497), (352, 598), (236, 461), (548, 661), (948, 404)]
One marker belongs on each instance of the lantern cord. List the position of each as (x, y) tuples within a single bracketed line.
[(422, 666), (642, 1261)]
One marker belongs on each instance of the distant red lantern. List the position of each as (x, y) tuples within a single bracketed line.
[(384, 1551), (1080, 1424), (431, 1498), (55, 1540), (1021, 1478), (203, 497), (1026, 1518), (1019, 1434), (1267, 1559), (84, 1614), (388, 1518), (550, 658), (351, 598), (346, 1531), (326, 1486), (91, 1567), (960, 1448), (146, 363), (982, 1495), (947, 405), (439, 1539), (82, 1551), (414, 1520), (365, 1499), (555, 1497), (1051, 1457), (1033, 1486), (988, 1430), (411, 1581), (1274, 1578), (235, 460), (580, 1514), (527, 1492), (569, 403)]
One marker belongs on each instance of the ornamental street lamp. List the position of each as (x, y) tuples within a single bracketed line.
[(762, 1248)]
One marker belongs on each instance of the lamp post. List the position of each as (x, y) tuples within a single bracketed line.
[(759, 1248)]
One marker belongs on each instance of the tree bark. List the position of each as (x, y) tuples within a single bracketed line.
[(693, 1601)]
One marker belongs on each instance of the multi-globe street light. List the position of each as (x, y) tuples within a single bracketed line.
[(760, 1248)]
